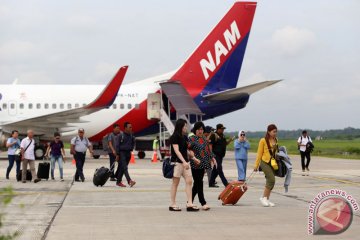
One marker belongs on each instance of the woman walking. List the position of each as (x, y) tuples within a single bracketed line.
[(179, 154), (200, 162), (241, 146), (266, 152), (13, 145)]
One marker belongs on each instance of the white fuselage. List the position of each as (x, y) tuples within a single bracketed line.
[(20, 102)]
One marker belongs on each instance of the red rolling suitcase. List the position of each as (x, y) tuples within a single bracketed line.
[(234, 191)]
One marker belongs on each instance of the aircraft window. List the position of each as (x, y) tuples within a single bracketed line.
[(12, 105), (137, 106), (21, 106), (61, 106), (46, 106), (114, 106), (54, 106), (76, 105), (122, 106), (30, 106), (69, 106), (4, 106), (38, 105)]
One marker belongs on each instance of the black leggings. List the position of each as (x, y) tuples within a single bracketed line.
[(198, 187), (303, 155)]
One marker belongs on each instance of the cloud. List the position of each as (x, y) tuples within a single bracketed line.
[(104, 70), (16, 49), (81, 21), (291, 41)]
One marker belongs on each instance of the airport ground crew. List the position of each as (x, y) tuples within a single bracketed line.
[(79, 145)]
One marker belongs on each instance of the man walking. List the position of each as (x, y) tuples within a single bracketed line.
[(156, 147), (303, 142), (218, 145), (112, 143), (124, 148), (79, 146), (27, 146)]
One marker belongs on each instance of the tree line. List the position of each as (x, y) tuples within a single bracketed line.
[(348, 133)]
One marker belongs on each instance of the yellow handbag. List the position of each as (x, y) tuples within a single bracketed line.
[(274, 164)]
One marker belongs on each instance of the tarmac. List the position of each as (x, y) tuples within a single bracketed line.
[(55, 210)]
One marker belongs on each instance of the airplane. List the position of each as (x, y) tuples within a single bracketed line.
[(209, 75)]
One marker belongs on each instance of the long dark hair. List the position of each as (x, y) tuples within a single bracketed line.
[(179, 125), (267, 135)]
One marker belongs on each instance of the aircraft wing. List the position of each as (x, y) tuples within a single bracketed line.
[(236, 92), (45, 123)]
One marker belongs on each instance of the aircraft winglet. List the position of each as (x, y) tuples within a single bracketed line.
[(108, 95)]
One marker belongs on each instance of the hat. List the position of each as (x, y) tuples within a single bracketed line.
[(241, 132), (81, 130), (220, 126), (208, 129)]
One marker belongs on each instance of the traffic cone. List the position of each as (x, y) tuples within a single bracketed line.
[(132, 159), (154, 158), (73, 162)]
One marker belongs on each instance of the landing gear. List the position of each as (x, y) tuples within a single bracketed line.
[(141, 154), (39, 152)]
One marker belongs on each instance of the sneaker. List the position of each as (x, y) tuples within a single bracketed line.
[(82, 179), (61, 179), (23, 181), (132, 183), (77, 180), (53, 179), (113, 179), (270, 203), (7, 177), (120, 184), (213, 186), (264, 202), (303, 173)]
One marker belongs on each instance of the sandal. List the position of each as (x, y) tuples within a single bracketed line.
[(192, 209), (206, 208), (174, 209)]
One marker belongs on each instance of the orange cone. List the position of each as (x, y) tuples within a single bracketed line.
[(154, 158), (73, 162), (132, 159)]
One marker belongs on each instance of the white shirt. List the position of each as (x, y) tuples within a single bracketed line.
[(29, 153), (303, 141), (80, 145)]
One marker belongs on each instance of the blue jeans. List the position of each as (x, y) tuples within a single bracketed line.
[(241, 167), (59, 159), (12, 159)]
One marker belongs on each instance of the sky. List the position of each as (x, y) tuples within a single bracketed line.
[(312, 45)]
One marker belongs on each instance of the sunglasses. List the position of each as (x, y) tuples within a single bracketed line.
[(242, 134)]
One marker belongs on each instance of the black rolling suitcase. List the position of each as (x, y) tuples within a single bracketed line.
[(43, 170), (28, 176), (101, 176)]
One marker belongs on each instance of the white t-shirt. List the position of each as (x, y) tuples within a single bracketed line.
[(29, 153), (303, 141)]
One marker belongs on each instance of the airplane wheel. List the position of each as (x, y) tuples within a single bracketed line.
[(39, 152), (141, 154)]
